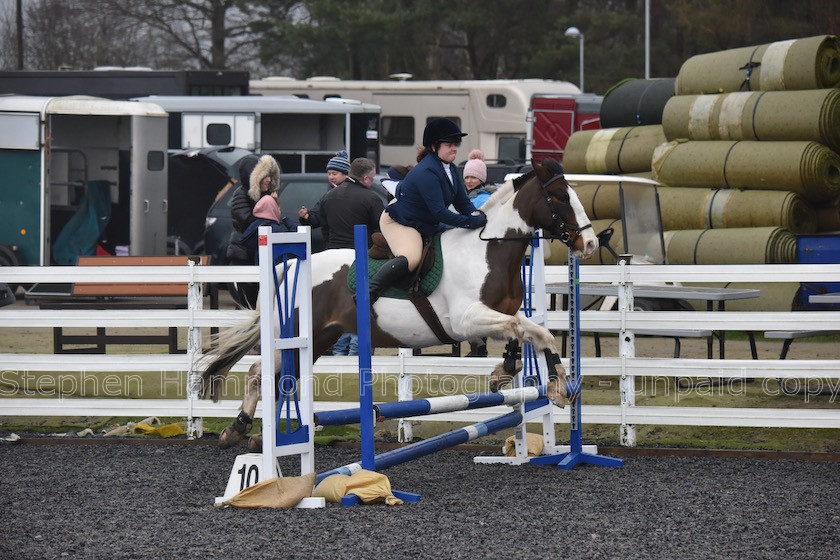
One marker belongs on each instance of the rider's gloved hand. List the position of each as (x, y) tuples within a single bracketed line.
[(477, 220)]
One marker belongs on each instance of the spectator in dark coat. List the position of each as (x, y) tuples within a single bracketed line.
[(258, 177), (349, 204)]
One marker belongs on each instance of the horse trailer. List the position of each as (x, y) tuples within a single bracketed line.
[(492, 112), (114, 82), (301, 134), (552, 119), (81, 172)]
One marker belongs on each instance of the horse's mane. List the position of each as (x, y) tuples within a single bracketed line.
[(499, 196)]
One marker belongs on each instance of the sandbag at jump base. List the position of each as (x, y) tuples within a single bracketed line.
[(695, 208), (634, 102), (612, 150), (807, 168), (759, 115), (767, 245), (808, 63)]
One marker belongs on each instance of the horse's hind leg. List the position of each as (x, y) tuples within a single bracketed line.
[(234, 433)]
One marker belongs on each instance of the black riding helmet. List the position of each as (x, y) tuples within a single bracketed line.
[(441, 130)]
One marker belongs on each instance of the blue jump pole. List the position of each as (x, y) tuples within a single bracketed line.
[(433, 405), (575, 456), (366, 420), (432, 445), (363, 332)]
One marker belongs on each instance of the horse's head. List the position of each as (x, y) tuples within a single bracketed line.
[(545, 200)]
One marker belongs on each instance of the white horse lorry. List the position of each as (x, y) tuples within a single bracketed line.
[(58, 153), (492, 112)]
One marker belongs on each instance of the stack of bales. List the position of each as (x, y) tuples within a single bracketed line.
[(750, 157), (631, 128), (763, 162), (756, 130), (631, 117)]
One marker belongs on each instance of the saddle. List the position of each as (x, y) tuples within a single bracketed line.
[(380, 250), (415, 287)]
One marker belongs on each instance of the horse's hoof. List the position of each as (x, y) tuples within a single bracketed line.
[(229, 437), (255, 444), (556, 393), (499, 378)]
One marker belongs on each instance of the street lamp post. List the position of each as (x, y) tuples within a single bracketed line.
[(574, 33)]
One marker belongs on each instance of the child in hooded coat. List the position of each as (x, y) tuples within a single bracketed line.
[(266, 213)]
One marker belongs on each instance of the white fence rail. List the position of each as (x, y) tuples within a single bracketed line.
[(182, 367)]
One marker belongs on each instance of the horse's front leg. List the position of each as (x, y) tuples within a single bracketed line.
[(480, 320), (543, 341)]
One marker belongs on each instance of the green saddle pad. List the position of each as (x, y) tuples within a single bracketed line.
[(428, 282)]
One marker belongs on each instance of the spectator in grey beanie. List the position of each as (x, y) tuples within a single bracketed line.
[(337, 169)]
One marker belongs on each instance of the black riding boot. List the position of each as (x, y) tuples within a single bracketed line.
[(390, 272)]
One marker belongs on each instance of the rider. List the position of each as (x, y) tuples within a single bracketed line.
[(422, 203)]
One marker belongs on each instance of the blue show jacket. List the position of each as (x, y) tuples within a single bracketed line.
[(424, 196)]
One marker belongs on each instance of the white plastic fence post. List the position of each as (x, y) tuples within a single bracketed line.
[(405, 428), (195, 425), (626, 349)]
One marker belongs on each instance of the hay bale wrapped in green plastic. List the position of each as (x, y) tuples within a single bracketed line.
[(600, 201), (767, 115), (767, 245), (612, 150), (807, 168), (808, 63), (695, 208)]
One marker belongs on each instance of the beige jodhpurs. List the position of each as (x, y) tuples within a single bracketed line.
[(404, 241)]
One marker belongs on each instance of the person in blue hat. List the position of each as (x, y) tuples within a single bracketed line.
[(337, 169), (422, 204)]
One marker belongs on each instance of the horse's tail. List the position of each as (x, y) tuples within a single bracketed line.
[(233, 344)]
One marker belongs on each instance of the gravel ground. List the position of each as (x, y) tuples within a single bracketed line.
[(155, 501)]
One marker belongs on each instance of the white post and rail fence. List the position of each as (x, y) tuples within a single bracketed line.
[(24, 393)]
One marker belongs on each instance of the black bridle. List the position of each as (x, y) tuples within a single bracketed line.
[(566, 232)]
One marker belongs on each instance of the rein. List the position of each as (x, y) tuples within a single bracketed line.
[(566, 234)]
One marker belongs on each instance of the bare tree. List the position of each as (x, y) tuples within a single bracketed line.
[(8, 38), (207, 34), (78, 35)]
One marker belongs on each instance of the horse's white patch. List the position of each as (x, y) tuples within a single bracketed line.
[(590, 240), (326, 263)]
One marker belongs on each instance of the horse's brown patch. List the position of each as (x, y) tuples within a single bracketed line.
[(334, 304), (502, 289)]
